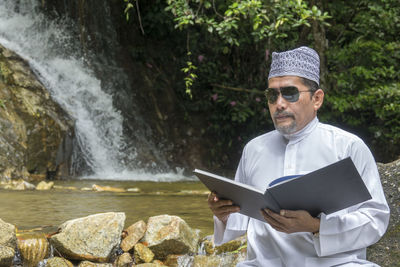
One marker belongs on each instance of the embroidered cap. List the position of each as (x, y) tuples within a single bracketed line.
[(302, 62)]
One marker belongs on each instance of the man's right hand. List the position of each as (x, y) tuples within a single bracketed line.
[(221, 208)]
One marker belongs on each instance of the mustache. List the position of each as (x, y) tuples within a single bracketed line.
[(283, 113)]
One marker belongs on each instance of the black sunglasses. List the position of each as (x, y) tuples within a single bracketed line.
[(289, 93)]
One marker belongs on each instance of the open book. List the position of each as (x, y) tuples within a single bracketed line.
[(329, 189)]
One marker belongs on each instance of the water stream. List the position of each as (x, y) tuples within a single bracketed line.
[(46, 210)]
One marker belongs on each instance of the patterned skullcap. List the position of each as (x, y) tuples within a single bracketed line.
[(302, 62)]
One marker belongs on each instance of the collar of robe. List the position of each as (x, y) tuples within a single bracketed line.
[(300, 135)]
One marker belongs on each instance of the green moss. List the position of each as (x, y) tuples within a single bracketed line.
[(5, 72)]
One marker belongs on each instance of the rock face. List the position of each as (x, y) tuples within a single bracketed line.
[(387, 251), (170, 235), (33, 128), (93, 238)]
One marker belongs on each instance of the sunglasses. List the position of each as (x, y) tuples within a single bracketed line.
[(289, 93)]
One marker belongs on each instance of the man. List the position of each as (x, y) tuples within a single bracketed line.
[(301, 144)]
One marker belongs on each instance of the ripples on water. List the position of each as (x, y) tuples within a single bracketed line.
[(48, 209)]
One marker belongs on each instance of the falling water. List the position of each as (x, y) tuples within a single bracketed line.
[(59, 63)]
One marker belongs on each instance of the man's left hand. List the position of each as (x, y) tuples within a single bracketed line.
[(291, 221)]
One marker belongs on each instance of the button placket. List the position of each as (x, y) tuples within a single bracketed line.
[(290, 159)]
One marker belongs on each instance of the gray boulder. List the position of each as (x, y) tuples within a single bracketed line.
[(92, 238), (170, 235)]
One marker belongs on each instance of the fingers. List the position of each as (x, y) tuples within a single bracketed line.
[(215, 202), (221, 207), (269, 218), (290, 221), (291, 213)]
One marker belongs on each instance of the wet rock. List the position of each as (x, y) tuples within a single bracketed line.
[(93, 238), (194, 192), (65, 187), (58, 262), (92, 264), (44, 186), (10, 173), (36, 177), (211, 261), (172, 260), (33, 248), (33, 127), (134, 233), (170, 235), (6, 255), (124, 260), (134, 190), (158, 262), (99, 188), (19, 185), (232, 245), (7, 234), (143, 254)]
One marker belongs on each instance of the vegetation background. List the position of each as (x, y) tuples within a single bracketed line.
[(222, 50)]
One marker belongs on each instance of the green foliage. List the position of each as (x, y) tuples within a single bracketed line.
[(224, 47), (363, 65), (236, 38), (236, 23), (129, 6), (239, 21), (190, 75)]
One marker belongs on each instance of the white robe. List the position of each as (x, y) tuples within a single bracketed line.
[(343, 235)]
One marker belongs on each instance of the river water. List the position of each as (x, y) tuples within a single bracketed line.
[(46, 210)]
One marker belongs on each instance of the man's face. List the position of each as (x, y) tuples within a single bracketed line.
[(290, 117)]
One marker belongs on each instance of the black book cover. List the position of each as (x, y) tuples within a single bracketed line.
[(329, 189)]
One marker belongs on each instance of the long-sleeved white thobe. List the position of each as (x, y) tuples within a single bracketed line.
[(343, 235)]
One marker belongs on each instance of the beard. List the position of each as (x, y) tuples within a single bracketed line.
[(285, 129)]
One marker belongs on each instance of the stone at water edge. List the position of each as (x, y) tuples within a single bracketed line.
[(99, 188), (8, 236), (19, 185), (135, 232), (33, 248), (44, 186), (170, 235), (6, 255), (93, 238)]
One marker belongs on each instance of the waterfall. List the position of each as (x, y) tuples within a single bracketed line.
[(55, 55)]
